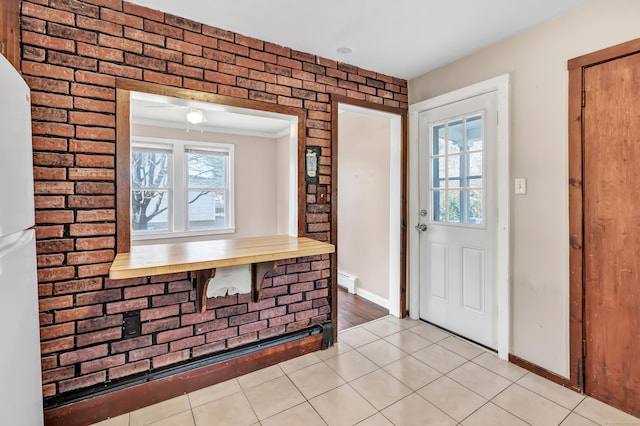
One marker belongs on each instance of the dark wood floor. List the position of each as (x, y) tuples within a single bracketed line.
[(354, 310)]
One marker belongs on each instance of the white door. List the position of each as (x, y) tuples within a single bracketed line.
[(458, 205)]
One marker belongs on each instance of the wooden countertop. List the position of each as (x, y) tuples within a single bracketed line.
[(158, 259)]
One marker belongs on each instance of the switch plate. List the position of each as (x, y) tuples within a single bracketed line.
[(521, 186)]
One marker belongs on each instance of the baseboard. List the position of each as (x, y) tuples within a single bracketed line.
[(540, 371), (122, 401), (347, 281), (373, 298)]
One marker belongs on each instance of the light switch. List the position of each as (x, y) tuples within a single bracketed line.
[(521, 186)]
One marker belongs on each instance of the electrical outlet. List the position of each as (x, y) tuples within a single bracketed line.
[(521, 186)]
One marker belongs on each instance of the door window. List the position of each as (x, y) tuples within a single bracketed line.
[(457, 195)]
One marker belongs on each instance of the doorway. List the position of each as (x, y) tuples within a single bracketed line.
[(367, 199), (605, 225), (459, 240)]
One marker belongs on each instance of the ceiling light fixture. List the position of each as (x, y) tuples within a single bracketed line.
[(344, 50), (195, 116)]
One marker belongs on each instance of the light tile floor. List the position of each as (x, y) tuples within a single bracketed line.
[(386, 372)]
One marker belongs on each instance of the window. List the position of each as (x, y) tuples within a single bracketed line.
[(180, 188), (457, 170)]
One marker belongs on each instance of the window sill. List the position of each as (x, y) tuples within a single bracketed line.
[(166, 237)]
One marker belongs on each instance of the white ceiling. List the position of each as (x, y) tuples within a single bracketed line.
[(401, 38), (164, 111)]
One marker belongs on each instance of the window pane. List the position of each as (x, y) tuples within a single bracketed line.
[(439, 140), (150, 210), (207, 170), (453, 162), (454, 183), (474, 133), (454, 144), (454, 201), (474, 164), (149, 169), (439, 206), (207, 209), (475, 183), (438, 172), (474, 209)]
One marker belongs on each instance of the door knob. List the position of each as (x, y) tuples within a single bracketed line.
[(421, 227)]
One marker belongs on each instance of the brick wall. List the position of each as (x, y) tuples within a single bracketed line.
[(72, 52)]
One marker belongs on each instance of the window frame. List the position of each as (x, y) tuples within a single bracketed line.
[(124, 88), (178, 217)]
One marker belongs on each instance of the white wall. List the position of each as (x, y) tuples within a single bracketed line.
[(282, 184), (363, 200), (255, 176), (537, 62)]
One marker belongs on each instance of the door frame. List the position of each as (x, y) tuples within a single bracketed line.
[(576, 67), (398, 303), (501, 85)]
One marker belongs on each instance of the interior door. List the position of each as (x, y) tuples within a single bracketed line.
[(458, 208), (611, 121)]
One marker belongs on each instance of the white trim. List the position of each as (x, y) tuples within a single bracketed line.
[(395, 206), (373, 298), (501, 84)]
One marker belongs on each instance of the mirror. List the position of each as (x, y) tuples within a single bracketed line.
[(202, 166)]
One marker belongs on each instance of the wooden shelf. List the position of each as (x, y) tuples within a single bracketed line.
[(158, 259)]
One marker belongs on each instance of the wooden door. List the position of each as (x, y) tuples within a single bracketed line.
[(10, 31), (611, 120)]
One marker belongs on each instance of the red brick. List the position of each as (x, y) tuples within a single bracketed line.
[(221, 334), (157, 313), (57, 345), (33, 24), (100, 323), (48, 260), (78, 313), (78, 286), (145, 37), (126, 306), (276, 49), (99, 25), (274, 322), (94, 216), (170, 299), (55, 303), (90, 257), (52, 129), (129, 368), (120, 70), (185, 71), (71, 33), (54, 86), (98, 297), (58, 374), (48, 390), (93, 270), (57, 330), (208, 348), (97, 133), (142, 291), (201, 40), (49, 114), (170, 358), (48, 42), (160, 78), (120, 18), (169, 277), (82, 382), (95, 243), (82, 355), (54, 216), (94, 187), (91, 174), (253, 327), (56, 274), (101, 364), (209, 326), (178, 286), (242, 340), (131, 344), (90, 91), (184, 47), (219, 56), (49, 144), (243, 319), (226, 46), (45, 319), (186, 343), (148, 352), (170, 335), (44, 70), (263, 304), (98, 337), (271, 332), (162, 29), (88, 77), (47, 14), (217, 32)]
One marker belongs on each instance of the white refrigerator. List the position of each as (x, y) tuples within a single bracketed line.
[(20, 371)]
